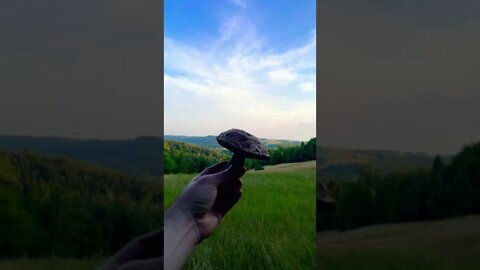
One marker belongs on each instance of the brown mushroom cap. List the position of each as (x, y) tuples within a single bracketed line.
[(242, 142)]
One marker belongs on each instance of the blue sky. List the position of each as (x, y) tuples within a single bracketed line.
[(240, 63)]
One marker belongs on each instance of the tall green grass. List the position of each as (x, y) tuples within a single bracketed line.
[(271, 227)]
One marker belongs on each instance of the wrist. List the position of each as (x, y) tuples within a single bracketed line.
[(181, 222), (181, 235)]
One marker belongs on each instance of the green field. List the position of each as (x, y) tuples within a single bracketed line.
[(443, 245), (272, 226)]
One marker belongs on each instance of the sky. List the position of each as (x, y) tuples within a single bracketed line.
[(240, 64), (83, 69), (400, 75)]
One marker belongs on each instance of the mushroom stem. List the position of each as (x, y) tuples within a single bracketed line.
[(236, 160)]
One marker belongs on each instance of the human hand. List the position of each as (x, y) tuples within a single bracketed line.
[(192, 218), (198, 211), (209, 196)]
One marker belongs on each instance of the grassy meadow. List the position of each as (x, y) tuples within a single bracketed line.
[(444, 244), (271, 227)]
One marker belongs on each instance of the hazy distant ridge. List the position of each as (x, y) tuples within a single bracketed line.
[(210, 141), (143, 155), (140, 156)]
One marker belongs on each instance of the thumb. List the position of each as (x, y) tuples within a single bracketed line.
[(214, 168), (230, 173)]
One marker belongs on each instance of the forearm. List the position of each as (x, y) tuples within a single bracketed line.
[(146, 247), (181, 237)]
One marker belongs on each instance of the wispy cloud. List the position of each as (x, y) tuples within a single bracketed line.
[(237, 81), (240, 3)]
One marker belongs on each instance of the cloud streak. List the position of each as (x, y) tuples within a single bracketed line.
[(235, 80), (240, 3)]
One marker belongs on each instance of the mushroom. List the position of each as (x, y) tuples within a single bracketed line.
[(243, 145)]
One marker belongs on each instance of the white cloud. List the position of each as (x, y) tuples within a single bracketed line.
[(307, 87), (240, 3), (185, 84), (235, 82), (282, 75)]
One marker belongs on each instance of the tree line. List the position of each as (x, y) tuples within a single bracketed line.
[(304, 152), (58, 206), (182, 157), (439, 191)]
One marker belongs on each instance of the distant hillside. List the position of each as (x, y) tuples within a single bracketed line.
[(211, 141), (140, 156), (176, 147), (205, 141), (441, 190), (143, 155), (344, 164)]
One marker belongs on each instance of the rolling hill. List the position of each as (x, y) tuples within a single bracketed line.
[(143, 155), (344, 164), (140, 156), (210, 141)]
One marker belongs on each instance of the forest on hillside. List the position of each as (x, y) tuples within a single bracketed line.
[(141, 156), (64, 207), (58, 206), (341, 164), (286, 154), (182, 157), (144, 156), (179, 157), (440, 191)]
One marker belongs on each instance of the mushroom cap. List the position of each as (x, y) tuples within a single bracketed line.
[(242, 142)]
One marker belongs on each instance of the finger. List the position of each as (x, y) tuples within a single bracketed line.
[(237, 184), (214, 168), (232, 172), (230, 186), (240, 171), (228, 202)]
